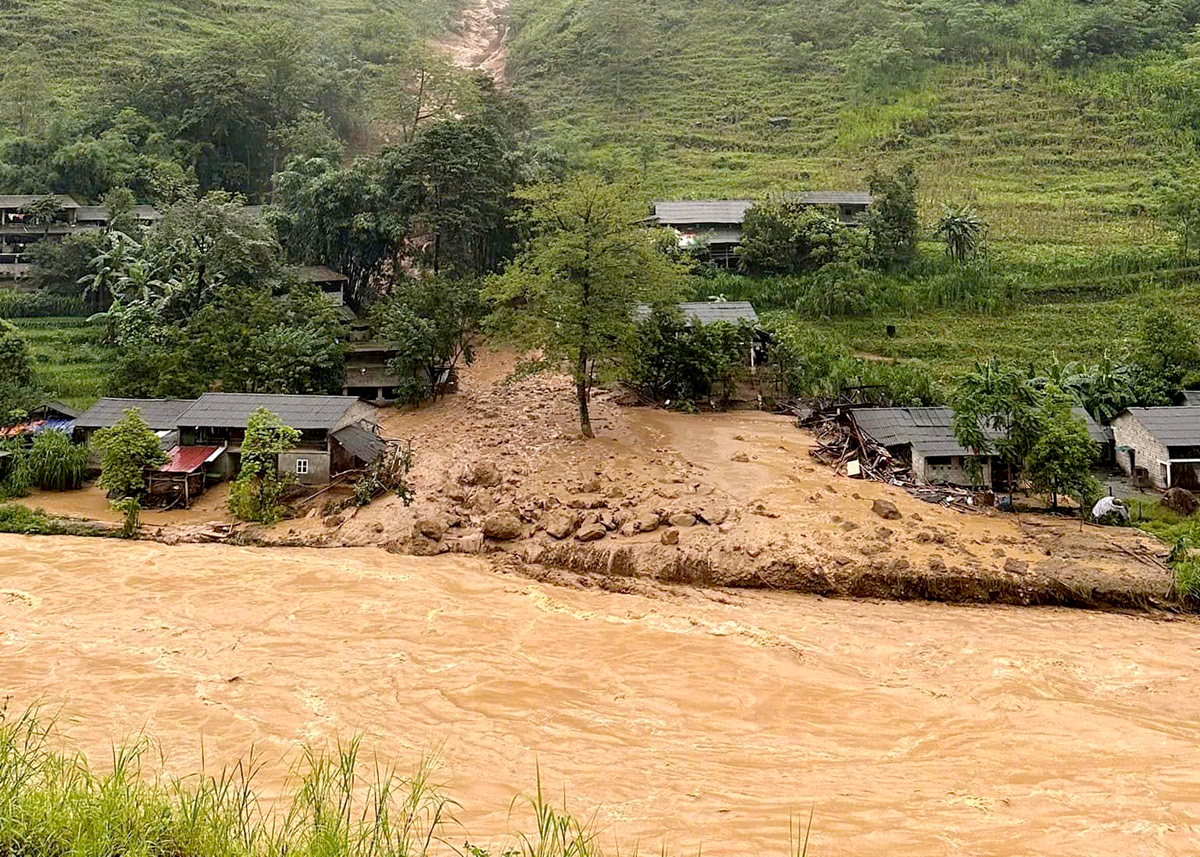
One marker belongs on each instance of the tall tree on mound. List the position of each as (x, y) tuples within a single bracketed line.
[(573, 291)]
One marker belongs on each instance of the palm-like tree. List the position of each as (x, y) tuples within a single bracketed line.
[(962, 231)]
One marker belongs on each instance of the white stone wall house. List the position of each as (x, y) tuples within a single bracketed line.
[(1160, 445)]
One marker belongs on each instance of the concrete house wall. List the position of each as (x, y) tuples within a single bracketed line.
[(1148, 451), (954, 473), (318, 466)]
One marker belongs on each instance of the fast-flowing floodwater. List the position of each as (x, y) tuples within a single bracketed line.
[(691, 719)]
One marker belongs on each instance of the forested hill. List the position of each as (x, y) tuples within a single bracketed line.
[(1059, 120), (161, 95)]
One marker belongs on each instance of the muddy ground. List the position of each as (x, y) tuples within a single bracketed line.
[(715, 500)]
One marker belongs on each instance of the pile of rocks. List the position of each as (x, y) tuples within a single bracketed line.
[(482, 508)]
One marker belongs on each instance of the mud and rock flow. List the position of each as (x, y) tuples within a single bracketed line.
[(685, 717), (479, 40)]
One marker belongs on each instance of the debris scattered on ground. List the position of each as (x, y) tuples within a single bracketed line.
[(841, 446)]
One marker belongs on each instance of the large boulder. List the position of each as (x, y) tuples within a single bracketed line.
[(647, 523), (1181, 500), (561, 523), (591, 533), (484, 474), (886, 509), (503, 526), (431, 527)]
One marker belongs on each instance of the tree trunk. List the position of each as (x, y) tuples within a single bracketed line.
[(581, 392)]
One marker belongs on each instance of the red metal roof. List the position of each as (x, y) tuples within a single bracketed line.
[(187, 459)]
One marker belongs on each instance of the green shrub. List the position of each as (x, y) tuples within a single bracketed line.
[(17, 519), (131, 510), (39, 305), (817, 365), (676, 360), (257, 494), (129, 447), (56, 464), (17, 480)]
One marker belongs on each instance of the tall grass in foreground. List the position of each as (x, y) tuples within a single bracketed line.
[(52, 804)]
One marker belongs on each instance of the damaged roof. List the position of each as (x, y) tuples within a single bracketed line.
[(362, 444), (930, 431)]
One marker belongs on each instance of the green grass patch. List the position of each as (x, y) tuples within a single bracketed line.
[(344, 804), (23, 521), (71, 361)]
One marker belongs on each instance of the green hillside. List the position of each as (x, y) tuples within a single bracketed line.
[(980, 94), (1065, 125), (78, 39)]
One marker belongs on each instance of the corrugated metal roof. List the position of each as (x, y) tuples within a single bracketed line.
[(364, 445), (931, 430), (1170, 426), (927, 430), (188, 459), (159, 414), (233, 410), (146, 212), (706, 312), (729, 212)]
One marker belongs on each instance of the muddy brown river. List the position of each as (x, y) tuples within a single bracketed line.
[(686, 718)]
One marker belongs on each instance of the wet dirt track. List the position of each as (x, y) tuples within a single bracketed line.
[(691, 718)]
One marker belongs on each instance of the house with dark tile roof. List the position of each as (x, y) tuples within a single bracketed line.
[(924, 437), (1160, 445)]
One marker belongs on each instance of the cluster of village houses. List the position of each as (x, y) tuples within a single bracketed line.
[(1156, 447), (202, 438)]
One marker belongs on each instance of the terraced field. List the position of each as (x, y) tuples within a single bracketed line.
[(70, 361)]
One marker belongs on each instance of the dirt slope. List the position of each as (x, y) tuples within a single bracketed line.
[(479, 42), (740, 491)]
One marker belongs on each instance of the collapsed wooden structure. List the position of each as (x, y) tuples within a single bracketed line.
[(849, 451)]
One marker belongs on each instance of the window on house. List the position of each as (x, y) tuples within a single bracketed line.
[(301, 466)]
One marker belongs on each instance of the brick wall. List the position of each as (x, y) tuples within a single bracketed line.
[(1147, 451)]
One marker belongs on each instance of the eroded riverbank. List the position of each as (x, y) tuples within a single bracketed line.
[(683, 716)]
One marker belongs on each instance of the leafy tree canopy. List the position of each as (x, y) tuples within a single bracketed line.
[(129, 447), (431, 322), (257, 493), (571, 293)]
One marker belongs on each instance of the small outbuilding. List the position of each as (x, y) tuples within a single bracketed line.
[(925, 439), (1160, 446), (183, 477)]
